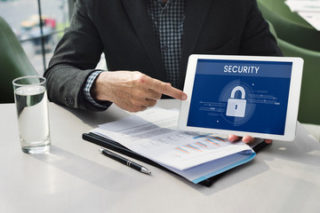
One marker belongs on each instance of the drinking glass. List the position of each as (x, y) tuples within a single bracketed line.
[(32, 111)]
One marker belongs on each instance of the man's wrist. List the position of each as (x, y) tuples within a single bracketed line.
[(88, 90)]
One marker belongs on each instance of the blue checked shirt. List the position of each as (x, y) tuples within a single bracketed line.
[(167, 22)]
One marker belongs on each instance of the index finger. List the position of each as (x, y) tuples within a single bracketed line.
[(166, 89)]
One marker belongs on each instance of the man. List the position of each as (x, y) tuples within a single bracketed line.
[(153, 38)]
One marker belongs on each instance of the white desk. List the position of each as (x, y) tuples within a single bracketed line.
[(75, 177)]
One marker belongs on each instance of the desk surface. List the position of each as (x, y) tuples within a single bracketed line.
[(75, 177)]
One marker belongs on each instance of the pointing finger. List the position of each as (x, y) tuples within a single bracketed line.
[(167, 89), (163, 88)]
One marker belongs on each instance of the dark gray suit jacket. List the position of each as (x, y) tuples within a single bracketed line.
[(123, 30)]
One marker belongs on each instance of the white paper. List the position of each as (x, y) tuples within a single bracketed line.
[(313, 18), (152, 133), (304, 5)]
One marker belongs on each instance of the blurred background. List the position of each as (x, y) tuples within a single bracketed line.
[(39, 24), (23, 18)]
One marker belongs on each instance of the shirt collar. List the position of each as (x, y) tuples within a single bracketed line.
[(162, 4)]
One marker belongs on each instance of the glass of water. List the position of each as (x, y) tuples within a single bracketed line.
[(32, 110)]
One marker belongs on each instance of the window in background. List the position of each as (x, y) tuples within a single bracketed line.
[(23, 17)]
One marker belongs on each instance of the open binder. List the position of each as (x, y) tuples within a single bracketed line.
[(117, 147)]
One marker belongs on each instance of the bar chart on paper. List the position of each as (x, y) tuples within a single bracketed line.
[(202, 143), (194, 156), (190, 150)]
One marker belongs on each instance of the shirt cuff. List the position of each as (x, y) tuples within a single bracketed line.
[(87, 91)]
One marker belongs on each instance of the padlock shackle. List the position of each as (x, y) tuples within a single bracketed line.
[(238, 88)]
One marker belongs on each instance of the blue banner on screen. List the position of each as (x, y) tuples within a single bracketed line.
[(250, 96)]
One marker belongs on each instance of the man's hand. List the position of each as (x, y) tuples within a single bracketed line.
[(132, 91), (246, 139)]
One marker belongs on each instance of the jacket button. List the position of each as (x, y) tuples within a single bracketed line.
[(69, 101)]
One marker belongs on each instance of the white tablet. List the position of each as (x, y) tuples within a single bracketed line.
[(242, 95)]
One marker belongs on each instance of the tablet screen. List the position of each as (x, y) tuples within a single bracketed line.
[(249, 96)]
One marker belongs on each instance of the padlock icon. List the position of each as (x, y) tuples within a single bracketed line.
[(237, 107)]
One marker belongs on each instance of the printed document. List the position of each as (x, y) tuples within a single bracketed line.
[(153, 134), (313, 18), (309, 10), (304, 5)]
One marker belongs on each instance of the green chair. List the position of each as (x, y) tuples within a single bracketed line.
[(13, 62), (290, 26), (309, 107), (309, 110)]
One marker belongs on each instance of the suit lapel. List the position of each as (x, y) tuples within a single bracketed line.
[(195, 14), (142, 24)]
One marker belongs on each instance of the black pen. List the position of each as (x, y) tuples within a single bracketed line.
[(125, 161)]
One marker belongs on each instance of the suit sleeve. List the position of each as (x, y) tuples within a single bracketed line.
[(256, 38), (75, 58)]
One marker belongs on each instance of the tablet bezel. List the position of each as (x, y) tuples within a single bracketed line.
[(293, 100)]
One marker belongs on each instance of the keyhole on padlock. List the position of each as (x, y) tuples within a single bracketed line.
[(236, 106)]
